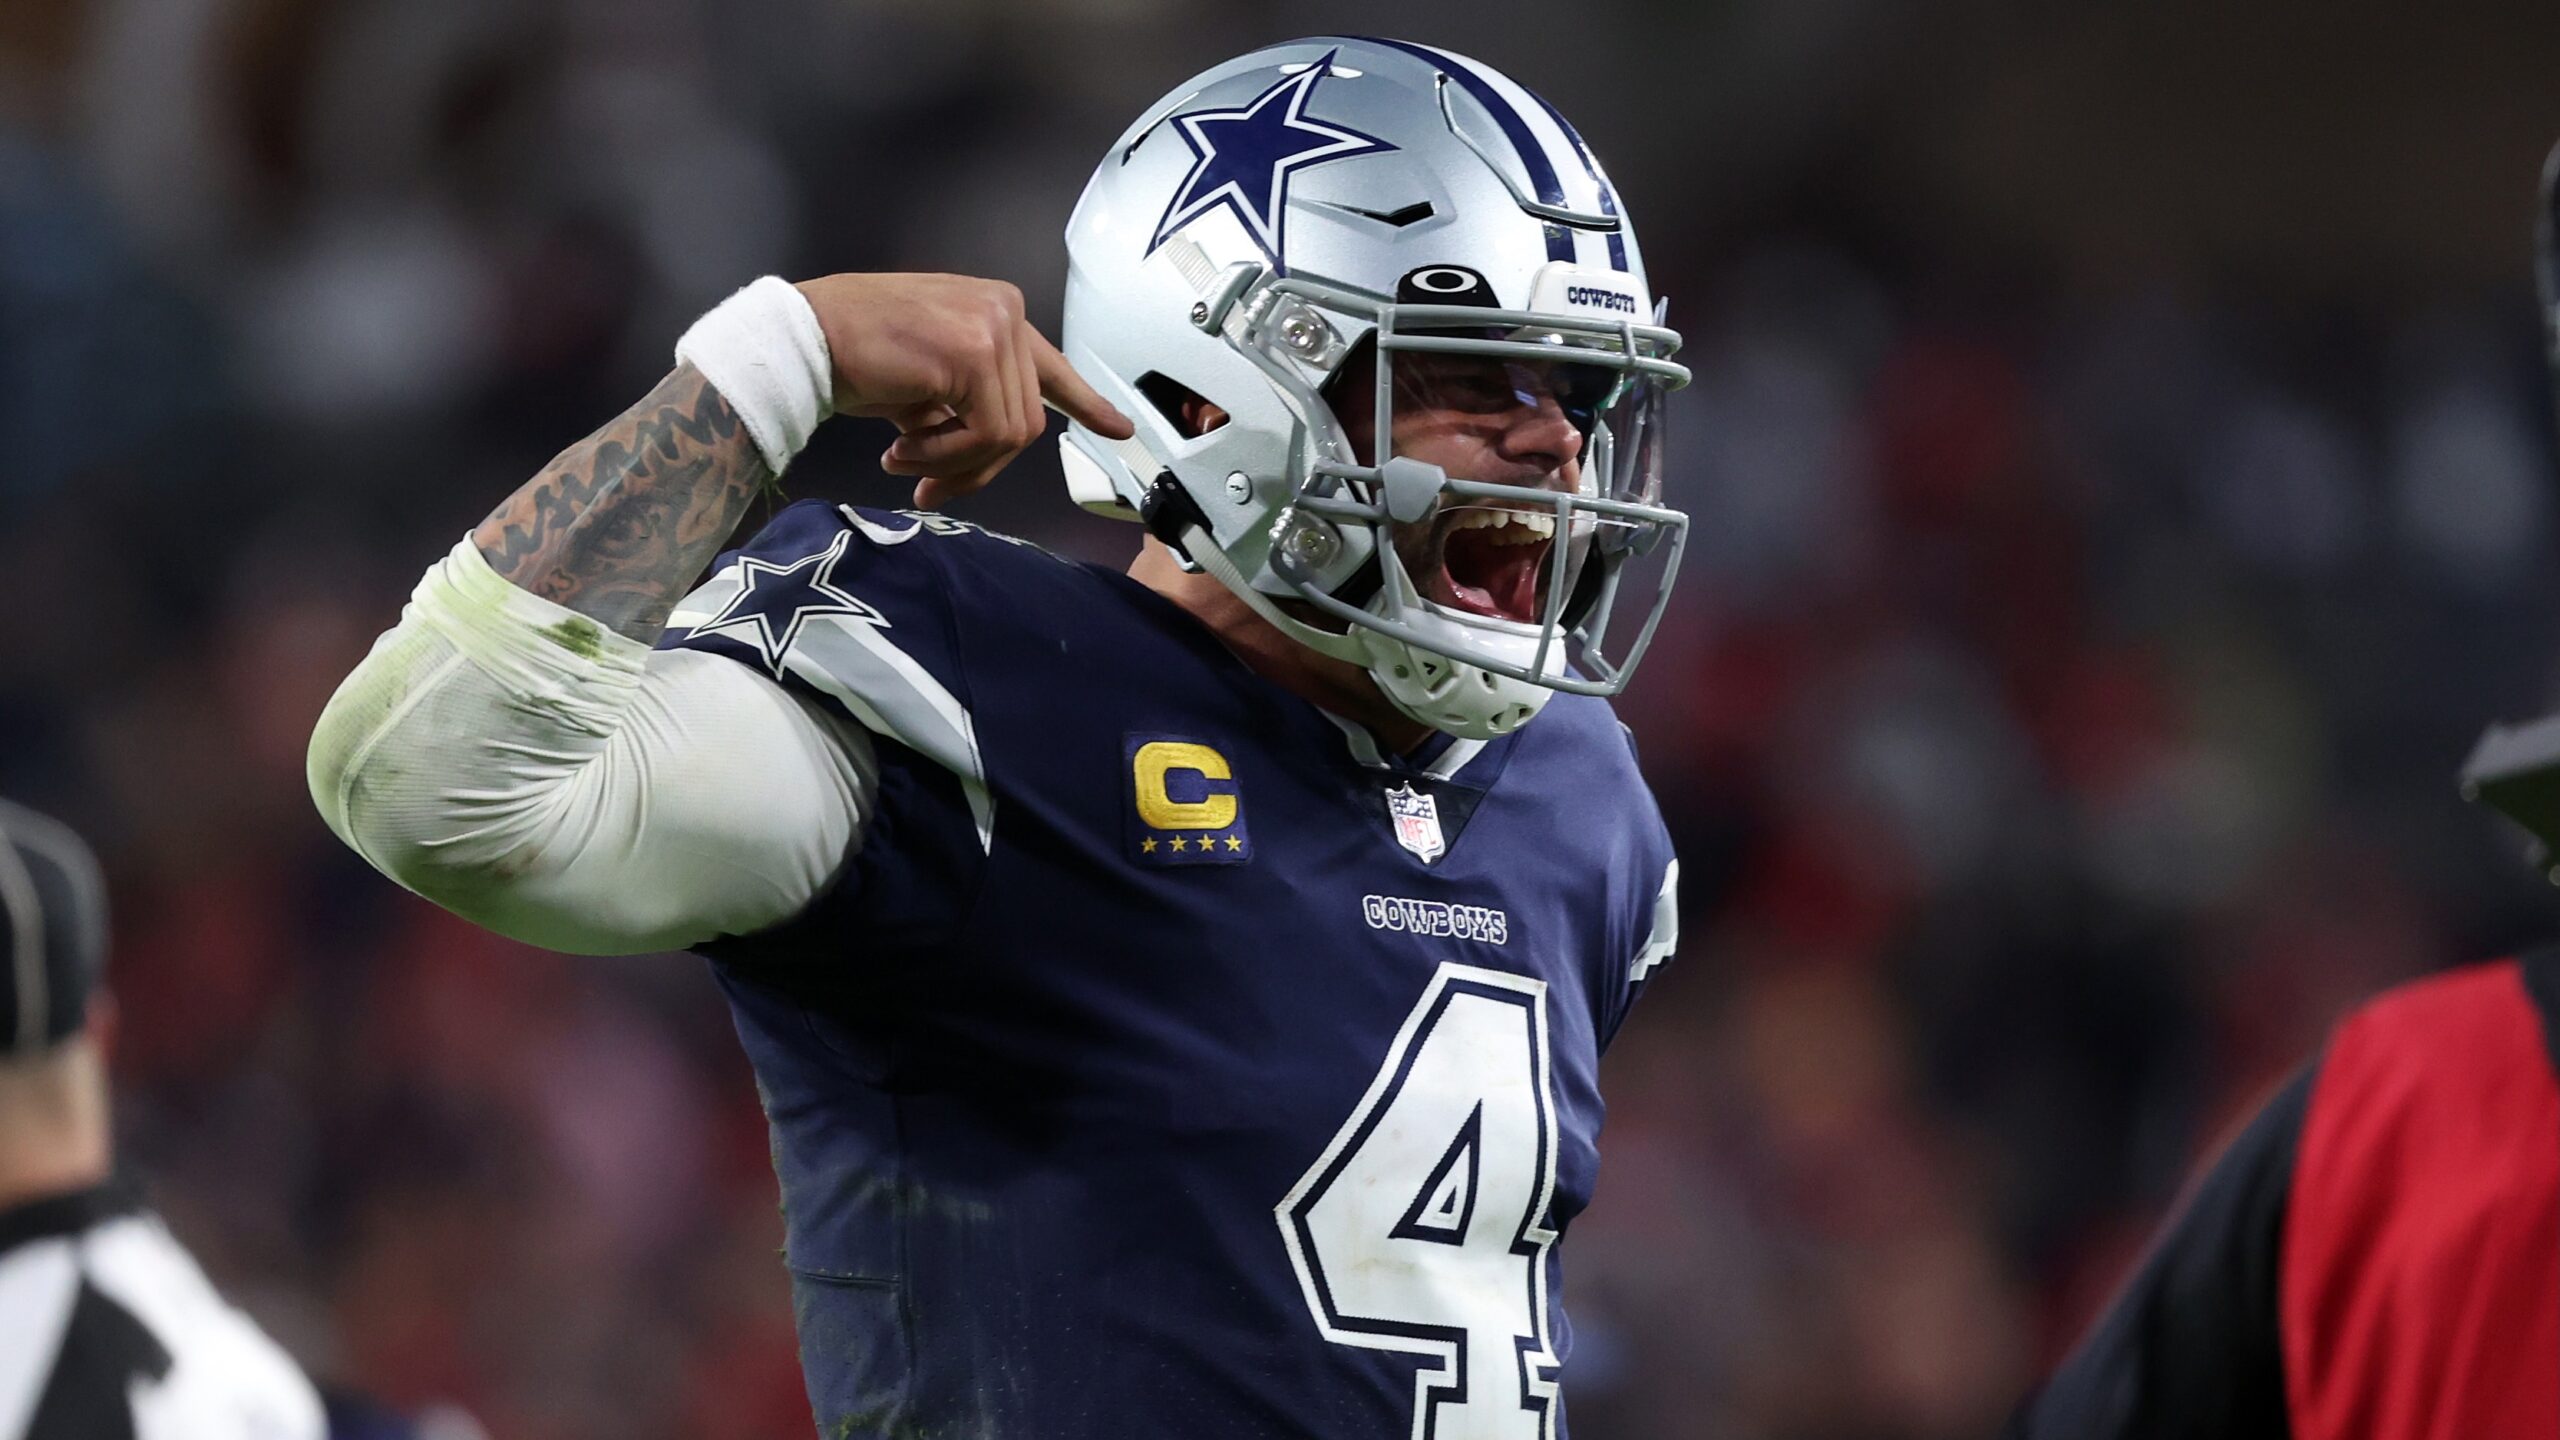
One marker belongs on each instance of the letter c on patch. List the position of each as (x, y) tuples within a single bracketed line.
[(1156, 806)]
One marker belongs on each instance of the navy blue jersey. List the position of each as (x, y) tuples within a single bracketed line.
[(1165, 1061)]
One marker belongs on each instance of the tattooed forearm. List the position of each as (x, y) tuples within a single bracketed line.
[(620, 524)]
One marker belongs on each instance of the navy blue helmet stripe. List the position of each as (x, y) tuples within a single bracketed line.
[(1542, 172), (1608, 195)]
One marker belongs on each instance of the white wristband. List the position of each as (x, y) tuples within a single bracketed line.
[(763, 351)]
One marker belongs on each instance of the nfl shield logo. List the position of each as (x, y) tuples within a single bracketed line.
[(1417, 818)]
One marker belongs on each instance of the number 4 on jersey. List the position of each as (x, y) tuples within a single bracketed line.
[(1423, 1226)]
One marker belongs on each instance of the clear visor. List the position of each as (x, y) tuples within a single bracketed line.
[(1519, 475), (1535, 430)]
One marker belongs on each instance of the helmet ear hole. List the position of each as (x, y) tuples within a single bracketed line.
[(1190, 413)]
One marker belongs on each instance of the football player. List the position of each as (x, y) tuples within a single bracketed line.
[(1177, 996), (2377, 1254)]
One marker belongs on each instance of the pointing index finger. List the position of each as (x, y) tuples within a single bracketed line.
[(1064, 391)]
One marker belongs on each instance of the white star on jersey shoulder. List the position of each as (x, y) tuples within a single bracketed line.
[(770, 634)]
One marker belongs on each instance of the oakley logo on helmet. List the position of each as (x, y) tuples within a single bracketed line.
[(1443, 285), (1244, 158)]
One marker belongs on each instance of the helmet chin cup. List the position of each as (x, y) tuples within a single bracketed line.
[(1449, 695)]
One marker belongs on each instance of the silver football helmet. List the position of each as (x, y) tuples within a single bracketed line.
[(1411, 293)]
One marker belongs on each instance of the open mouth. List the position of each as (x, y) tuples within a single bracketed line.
[(1494, 562)]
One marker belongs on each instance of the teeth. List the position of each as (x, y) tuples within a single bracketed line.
[(1511, 527)]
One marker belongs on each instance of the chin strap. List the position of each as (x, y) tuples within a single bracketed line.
[(1202, 549)]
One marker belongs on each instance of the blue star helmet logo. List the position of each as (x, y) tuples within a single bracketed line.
[(774, 601), (1245, 158)]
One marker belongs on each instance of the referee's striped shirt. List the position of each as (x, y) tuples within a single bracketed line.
[(109, 1331)]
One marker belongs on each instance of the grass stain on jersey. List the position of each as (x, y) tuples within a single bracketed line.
[(579, 636)]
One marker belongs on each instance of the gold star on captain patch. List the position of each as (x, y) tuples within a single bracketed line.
[(1147, 846), (1178, 844), (1234, 844)]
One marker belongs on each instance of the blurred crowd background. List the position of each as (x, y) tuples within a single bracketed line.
[(2123, 486)]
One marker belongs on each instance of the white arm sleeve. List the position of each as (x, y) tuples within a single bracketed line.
[(530, 770)]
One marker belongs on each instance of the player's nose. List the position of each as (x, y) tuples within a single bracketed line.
[(1542, 435)]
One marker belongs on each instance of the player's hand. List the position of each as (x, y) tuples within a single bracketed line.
[(952, 363)]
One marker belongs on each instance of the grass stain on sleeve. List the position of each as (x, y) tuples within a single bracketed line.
[(579, 636)]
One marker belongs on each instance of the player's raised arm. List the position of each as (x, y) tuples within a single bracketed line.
[(620, 523), (515, 751)]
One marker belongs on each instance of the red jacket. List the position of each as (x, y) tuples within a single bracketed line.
[(2376, 1257)]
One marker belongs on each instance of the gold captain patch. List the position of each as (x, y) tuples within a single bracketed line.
[(1185, 807)]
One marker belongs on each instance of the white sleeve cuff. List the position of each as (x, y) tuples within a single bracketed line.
[(763, 351)]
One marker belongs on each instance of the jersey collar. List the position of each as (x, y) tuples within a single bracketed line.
[(67, 1213), (1441, 757)]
